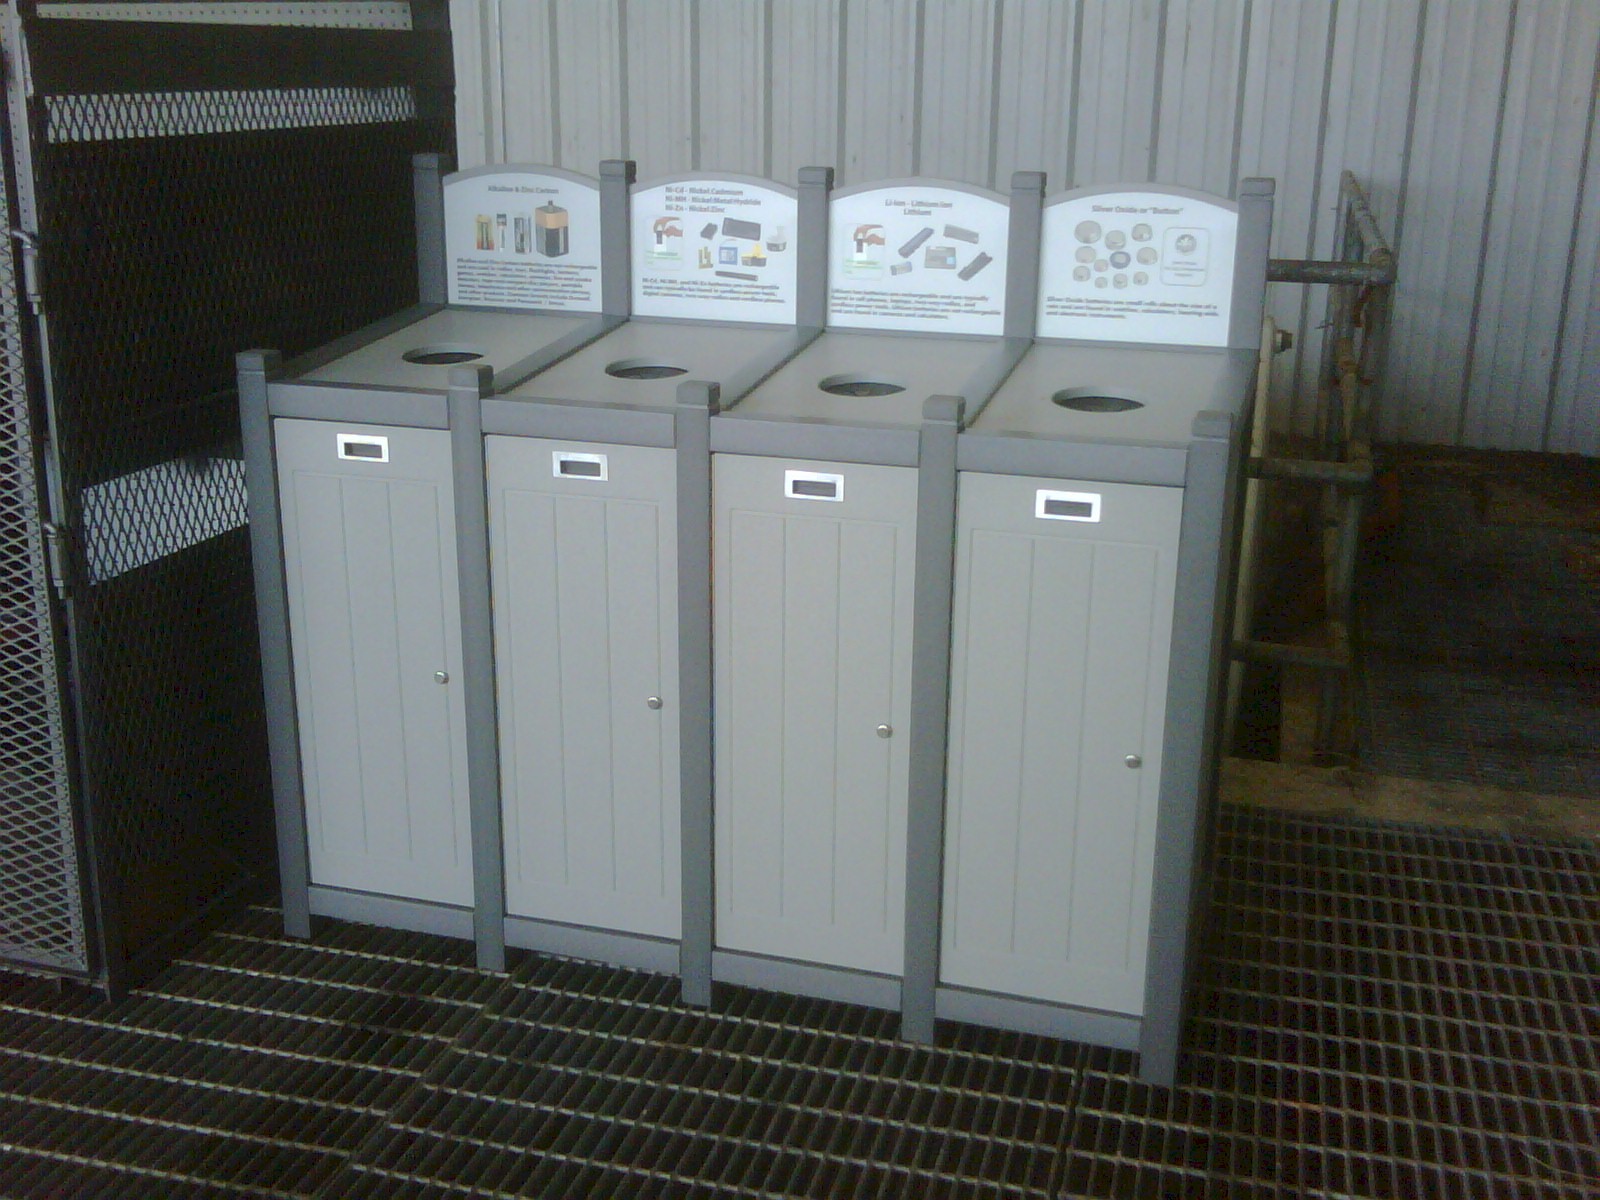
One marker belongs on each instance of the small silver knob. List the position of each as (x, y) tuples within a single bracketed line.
[(885, 731), (653, 702), (1133, 762), (441, 676)]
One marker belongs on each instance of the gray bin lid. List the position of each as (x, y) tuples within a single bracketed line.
[(1120, 394), (443, 340), (845, 378), (643, 362)]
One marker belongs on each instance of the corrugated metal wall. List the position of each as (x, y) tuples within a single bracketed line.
[(1472, 122)]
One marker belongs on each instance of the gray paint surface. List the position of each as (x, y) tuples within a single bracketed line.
[(1035, 454), (370, 558), (811, 244), (468, 385), (698, 403), (1058, 675), (1189, 752), (586, 629), (920, 365), (599, 945), (930, 688), (1051, 1020), (1022, 264), (416, 409), (392, 912), (256, 368), (693, 349), (807, 979), (812, 649), (1170, 385), (427, 182), (501, 339), (581, 423), (1250, 258), (895, 447), (616, 257), (312, 359)]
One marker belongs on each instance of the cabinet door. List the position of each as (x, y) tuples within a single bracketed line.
[(583, 543), (1062, 621), (374, 618), (813, 655)]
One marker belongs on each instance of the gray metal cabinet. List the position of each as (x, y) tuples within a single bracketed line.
[(813, 568), (374, 615), (1062, 624), (584, 575)]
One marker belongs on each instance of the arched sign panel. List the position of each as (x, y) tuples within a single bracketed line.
[(1137, 266)]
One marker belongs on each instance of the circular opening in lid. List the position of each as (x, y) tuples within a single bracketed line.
[(1091, 401), (644, 368), (442, 354), (858, 385)]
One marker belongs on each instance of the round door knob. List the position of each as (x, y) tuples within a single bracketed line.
[(441, 676), (653, 702), (885, 731), (1133, 762)]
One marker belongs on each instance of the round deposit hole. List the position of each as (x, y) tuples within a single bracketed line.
[(443, 354), (644, 368), (858, 385), (1090, 401)]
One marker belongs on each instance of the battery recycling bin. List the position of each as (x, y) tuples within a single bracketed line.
[(355, 515), (1095, 535), (815, 492), (583, 478)]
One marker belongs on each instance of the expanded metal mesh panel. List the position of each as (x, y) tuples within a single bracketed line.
[(169, 114), (178, 230), (41, 911)]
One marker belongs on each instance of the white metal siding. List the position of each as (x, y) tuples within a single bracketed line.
[(1471, 124)]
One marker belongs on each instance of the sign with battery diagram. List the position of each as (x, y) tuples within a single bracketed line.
[(1139, 266), (523, 238), (918, 257), (719, 249)]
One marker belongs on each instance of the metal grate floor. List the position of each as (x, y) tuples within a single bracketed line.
[(1386, 1012), (1481, 623)]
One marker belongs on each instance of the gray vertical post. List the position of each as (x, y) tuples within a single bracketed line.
[(427, 184), (616, 237), (468, 386), (1022, 259), (256, 368), (930, 688), (1252, 249), (811, 245), (1188, 759), (698, 402)]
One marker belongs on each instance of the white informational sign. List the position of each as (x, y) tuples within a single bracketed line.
[(523, 239), (1137, 267), (914, 257), (714, 250)]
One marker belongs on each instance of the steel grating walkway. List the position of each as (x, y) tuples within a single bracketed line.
[(1480, 615), (1387, 1012)]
